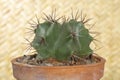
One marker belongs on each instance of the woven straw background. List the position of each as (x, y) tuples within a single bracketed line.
[(15, 15)]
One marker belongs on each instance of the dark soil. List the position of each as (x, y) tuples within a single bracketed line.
[(74, 60)]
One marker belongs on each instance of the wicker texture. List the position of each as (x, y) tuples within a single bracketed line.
[(15, 15)]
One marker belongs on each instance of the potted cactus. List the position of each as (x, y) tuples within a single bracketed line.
[(63, 52)]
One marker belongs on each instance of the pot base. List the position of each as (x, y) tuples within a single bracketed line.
[(81, 72)]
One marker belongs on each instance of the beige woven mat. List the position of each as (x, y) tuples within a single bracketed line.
[(15, 15)]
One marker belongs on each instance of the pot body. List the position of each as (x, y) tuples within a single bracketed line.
[(81, 72)]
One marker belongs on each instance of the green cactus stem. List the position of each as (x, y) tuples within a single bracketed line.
[(61, 40)]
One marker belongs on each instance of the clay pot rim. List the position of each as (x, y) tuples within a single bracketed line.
[(102, 61)]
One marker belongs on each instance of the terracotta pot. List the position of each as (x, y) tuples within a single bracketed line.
[(81, 72)]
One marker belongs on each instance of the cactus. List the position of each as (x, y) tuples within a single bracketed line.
[(61, 40)]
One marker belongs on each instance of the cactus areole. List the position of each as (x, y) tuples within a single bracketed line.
[(61, 40)]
